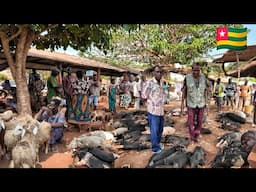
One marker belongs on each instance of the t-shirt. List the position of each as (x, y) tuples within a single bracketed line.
[(245, 89)]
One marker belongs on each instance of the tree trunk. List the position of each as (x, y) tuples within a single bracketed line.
[(22, 93), (23, 97)]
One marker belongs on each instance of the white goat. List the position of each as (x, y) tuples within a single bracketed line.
[(25, 153)]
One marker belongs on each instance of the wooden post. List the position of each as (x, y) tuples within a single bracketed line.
[(98, 73), (238, 66)]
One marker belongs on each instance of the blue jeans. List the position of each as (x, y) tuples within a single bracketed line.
[(57, 135), (93, 99), (156, 124)]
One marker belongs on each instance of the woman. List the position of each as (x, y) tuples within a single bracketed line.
[(112, 91), (80, 104), (53, 86), (125, 95)]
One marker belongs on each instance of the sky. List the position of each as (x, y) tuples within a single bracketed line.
[(251, 40)]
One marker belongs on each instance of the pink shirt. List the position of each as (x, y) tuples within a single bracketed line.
[(155, 95)]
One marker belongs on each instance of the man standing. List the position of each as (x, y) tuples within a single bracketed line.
[(230, 93), (68, 90), (194, 91), (219, 94), (35, 86), (153, 92), (244, 93), (94, 91)]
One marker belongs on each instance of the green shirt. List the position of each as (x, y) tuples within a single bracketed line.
[(52, 85)]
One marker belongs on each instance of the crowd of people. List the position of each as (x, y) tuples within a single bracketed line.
[(76, 95)]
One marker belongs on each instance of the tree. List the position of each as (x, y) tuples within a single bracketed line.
[(163, 43), (16, 40)]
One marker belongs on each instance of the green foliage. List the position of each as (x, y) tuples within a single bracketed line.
[(161, 43), (16, 39), (54, 36), (252, 79), (3, 76)]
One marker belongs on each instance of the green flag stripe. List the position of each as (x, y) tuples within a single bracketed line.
[(237, 39), (231, 47), (236, 30)]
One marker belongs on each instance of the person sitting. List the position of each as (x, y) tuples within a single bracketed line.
[(54, 113)]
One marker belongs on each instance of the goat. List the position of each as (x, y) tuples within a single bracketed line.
[(43, 135), (25, 153)]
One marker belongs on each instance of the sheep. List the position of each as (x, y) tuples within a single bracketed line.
[(43, 135), (11, 137), (15, 125), (25, 153), (28, 120), (7, 115), (11, 130), (2, 133)]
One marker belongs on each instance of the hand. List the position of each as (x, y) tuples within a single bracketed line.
[(207, 108), (44, 108)]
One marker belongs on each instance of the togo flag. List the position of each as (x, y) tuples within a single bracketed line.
[(231, 38)]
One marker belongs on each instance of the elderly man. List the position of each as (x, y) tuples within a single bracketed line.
[(154, 93), (194, 92)]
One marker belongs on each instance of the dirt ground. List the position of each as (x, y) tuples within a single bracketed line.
[(138, 159)]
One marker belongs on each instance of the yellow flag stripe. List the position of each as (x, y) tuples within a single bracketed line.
[(233, 43), (232, 34)]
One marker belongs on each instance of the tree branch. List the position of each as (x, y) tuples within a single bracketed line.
[(7, 53), (15, 34), (20, 51), (29, 39), (147, 49)]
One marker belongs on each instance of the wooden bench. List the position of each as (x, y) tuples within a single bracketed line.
[(89, 125)]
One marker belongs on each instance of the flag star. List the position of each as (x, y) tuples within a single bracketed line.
[(222, 33)]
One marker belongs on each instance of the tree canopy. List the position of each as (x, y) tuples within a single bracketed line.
[(162, 43), (16, 40)]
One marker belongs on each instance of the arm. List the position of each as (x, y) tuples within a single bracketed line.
[(139, 88), (184, 96), (254, 98), (146, 90), (38, 116), (206, 97), (61, 119)]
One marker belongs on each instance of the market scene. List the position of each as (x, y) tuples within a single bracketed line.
[(127, 96)]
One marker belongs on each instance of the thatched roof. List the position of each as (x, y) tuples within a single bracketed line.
[(247, 70), (45, 60), (244, 55)]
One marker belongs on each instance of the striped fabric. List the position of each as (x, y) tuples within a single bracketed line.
[(231, 38)]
